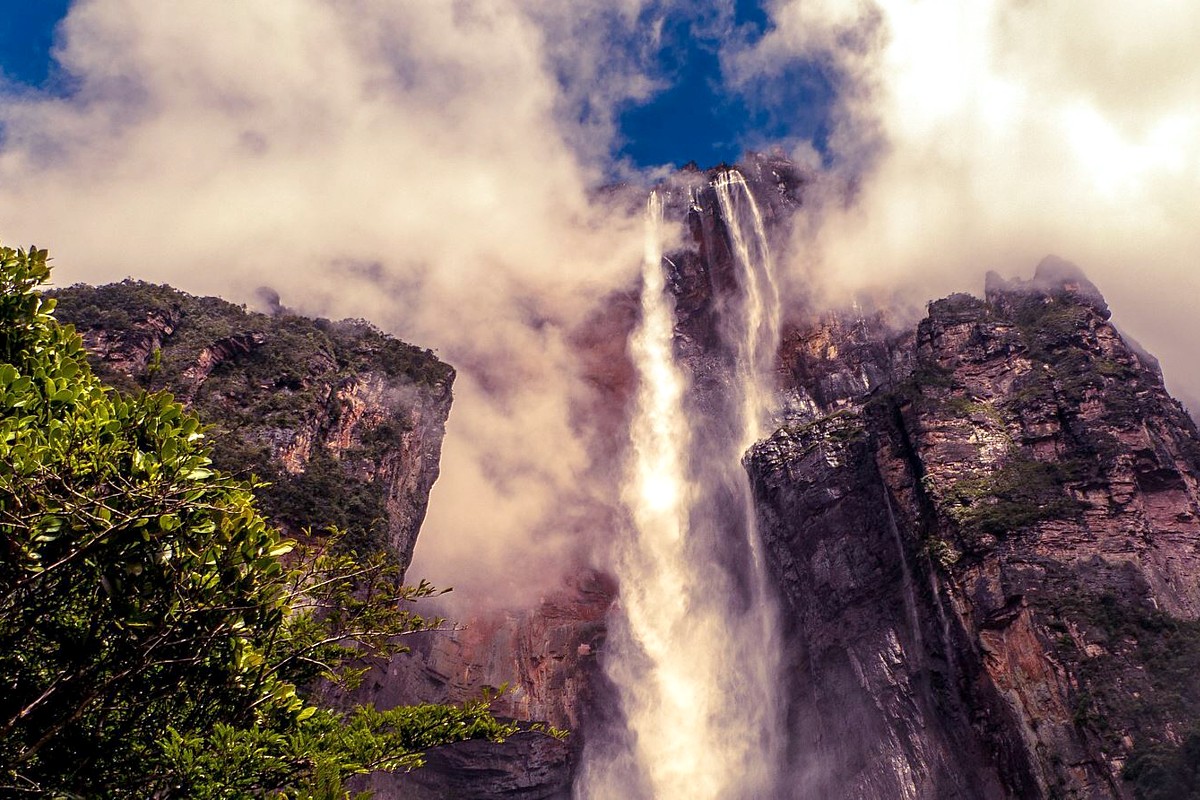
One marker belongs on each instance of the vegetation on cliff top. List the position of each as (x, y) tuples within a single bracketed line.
[(153, 640), (290, 342), (271, 377)]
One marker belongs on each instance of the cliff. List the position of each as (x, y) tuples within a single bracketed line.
[(989, 563), (344, 422), (346, 425), (546, 656), (983, 529)]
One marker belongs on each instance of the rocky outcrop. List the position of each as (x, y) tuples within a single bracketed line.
[(123, 346), (545, 659), (984, 528), (832, 362), (227, 349), (991, 563), (344, 422)]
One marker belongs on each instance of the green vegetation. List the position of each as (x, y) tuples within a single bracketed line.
[(941, 552), (1050, 325), (1051, 328), (958, 305), (323, 492), (1021, 492), (1036, 388), (350, 346), (153, 640), (922, 389), (966, 407), (836, 431), (1145, 676), (1165, 771), (930, 374)]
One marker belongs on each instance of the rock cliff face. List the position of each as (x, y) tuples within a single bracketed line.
[(984, 529), (989, 557), (545, 655), (345, 423)]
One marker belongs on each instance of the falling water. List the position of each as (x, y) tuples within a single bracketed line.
[(692, 650), (755, 332), (754, 335)]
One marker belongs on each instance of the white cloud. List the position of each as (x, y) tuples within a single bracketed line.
[(427, 165), (406, 162), (985, 135)]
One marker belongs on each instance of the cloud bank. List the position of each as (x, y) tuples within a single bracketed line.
[(417, 164), (975, 136), (430, 166)]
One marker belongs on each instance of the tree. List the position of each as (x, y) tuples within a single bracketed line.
[(157, 635)]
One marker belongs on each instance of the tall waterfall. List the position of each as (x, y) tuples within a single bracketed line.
[(692, 649), (755, 332)]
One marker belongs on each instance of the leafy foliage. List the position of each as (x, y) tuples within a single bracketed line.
[(239, 762), (152, 640)]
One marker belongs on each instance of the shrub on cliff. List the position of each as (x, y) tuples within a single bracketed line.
[(1166, 772), (152, 641)]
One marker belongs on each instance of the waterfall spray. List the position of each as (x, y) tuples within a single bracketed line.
[(695, 667)]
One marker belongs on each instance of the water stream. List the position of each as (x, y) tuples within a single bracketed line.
[(692, 649)]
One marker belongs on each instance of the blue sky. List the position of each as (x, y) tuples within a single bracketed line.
[(693, 117), (696, 117), (26, 34)]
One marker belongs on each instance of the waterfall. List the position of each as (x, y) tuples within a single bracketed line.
[(910, 595), (692, 648), (755, 332)]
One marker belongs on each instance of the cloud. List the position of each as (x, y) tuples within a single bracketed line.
[(411, 163), (429, 166), (985, 135)]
